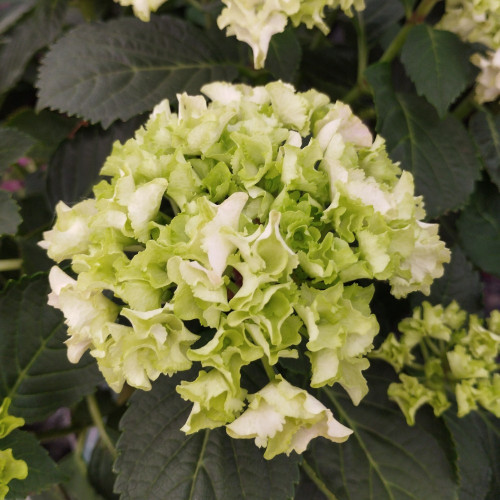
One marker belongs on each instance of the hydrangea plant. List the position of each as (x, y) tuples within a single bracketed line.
[(252, 214)]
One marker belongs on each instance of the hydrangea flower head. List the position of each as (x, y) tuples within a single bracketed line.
[(256, 21), (142, 8), (249, 215)]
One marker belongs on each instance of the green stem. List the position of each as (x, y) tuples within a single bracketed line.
[(317, 481), (466, 106), (269, 370), (10, 264), (432, 347), (95, 413), (359, 25), (51, 434)]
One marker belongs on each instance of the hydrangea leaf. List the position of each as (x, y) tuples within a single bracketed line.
[(42, 471), (9, 214), (440, 153), (283, 58), (384, 458), (479, 228), (476, 439), (158, 461), (438, 63), (485, 130), (39, 29), (13, 145), (379, 16), (127, 66), (33, 355)]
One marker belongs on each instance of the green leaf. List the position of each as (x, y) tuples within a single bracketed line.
[(38, 30), (485, 129), (9, 214), (42, 471), (13, 145), (477, 444), (126, 66), (440, 153), (12, 11), (479, 228), (383, 458), (35, 372), (283, 57), (47, 128), (100, 468), (75, 485), (438, 63), (75, 166), (157, 461), (379, 16), (460, 282)]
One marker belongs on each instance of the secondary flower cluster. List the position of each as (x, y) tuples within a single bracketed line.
[(457, 354), (251, 217), (478, 21), (10, 468), (256, 21)]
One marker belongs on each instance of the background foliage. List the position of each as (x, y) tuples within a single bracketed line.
[(76, 76)]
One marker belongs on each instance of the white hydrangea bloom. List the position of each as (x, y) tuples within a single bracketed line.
[(284, 418), (256, 21), (142, 8), (488, 81), (473, 20)]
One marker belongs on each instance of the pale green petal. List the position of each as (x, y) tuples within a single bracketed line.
[(8, 422)]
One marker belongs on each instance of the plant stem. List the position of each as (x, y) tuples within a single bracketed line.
[(51, 434), (466, 106), (317, 481), (269, 370), (10, 264), (359, 25), (95, 413)]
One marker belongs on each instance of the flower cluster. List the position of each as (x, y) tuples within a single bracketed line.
[(478, 21), (10, 468), (456, 354), (256, 21), (488, 80), (142, 8), (250, 216)]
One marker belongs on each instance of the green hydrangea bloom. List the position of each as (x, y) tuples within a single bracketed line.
[(460, 356), (283, 419), (142, 8), (251, 215), (256, 21), (10, 468), (474, 20)]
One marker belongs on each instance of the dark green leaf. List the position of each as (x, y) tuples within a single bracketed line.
[(460, 282), (12, 11), (39, 29), (283, 57), (75, 486), (126, 66), (438, 63), (47, 128), (477, 443), (75, 166), (383, 458), (485, 129), (479, 228), (13, 145), (440, 153), (157, 461), (36, 372), (42, 471), (379, 16), (100, 468), (9, 214)]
